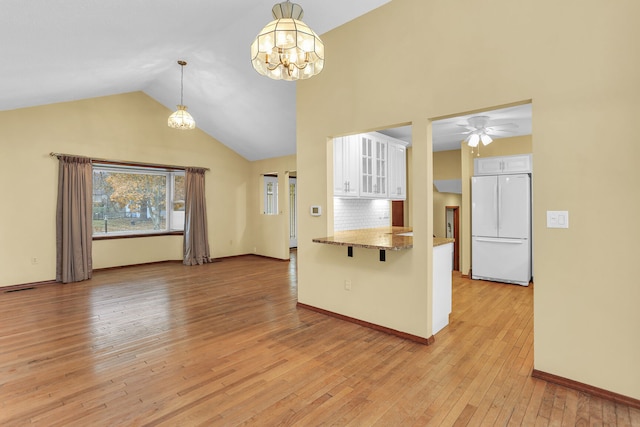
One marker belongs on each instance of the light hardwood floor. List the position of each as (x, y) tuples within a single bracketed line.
[(224, 344)]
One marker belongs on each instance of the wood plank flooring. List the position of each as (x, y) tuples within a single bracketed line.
[(223, 344)]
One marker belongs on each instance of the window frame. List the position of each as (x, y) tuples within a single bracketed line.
[(170, 172)]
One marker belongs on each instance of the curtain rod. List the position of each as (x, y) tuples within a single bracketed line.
[(129, 163)]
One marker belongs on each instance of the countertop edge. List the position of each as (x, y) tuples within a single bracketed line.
[(324, 240), (383, 238)]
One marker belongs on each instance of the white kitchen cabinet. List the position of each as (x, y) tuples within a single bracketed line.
[(369, 165), (346, 160), (397, 170), (521, 163), (373, 166)]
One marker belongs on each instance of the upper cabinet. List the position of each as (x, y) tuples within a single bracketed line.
[(373, 166), (521, 163), (346, 157), (369, 165), (397, 171)]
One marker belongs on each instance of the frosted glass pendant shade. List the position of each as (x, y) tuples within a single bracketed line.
[(473, 140), (286, 48), (181, 119), (486, 139)]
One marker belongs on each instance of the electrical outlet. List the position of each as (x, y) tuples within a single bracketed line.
[(347, 285)]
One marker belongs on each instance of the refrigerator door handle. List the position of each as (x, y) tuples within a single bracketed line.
[(499, 208), (499, 240), (496, 201)]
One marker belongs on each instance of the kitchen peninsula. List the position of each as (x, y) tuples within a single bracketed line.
[(401, 238), (383, 238)]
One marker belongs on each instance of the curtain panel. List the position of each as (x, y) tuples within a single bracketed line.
[(196, 240), (73, 219)]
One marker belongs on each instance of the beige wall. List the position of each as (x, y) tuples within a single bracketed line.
[(129, 127), (412, 60), (447, 165)]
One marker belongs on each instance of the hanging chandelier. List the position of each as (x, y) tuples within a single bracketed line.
[(180, 119), (286, 48)]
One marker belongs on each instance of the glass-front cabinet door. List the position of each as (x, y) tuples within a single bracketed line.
[(373, 167)]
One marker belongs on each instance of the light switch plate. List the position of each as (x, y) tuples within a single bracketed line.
[(557, 219)]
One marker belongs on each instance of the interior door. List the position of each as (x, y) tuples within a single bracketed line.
[(453, 231)]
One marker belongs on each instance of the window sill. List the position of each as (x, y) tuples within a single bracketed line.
[(138, 235)]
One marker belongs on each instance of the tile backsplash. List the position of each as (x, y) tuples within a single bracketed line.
[(352, 214)]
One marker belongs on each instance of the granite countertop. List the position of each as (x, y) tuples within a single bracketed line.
[(384, 238), (437, 241)]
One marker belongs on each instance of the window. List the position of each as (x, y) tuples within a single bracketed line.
[(271, 194), (130, 200)]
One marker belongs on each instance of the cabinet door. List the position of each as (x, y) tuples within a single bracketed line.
[(397, 171), (351, 171), (345, 166), (516, 164), (380, 168), (367, 162), (339, 180), (373, 166), (488, 166), (503, 164)]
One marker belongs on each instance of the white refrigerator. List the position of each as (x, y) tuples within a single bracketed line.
[(501, 228)]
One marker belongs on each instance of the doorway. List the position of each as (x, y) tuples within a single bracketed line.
[(293, 211), (452, 227), (397, 213)]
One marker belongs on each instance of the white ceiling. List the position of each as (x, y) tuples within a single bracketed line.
[(448, 133), (56, 51)]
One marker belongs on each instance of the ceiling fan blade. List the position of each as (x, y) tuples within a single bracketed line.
[(503, 126), (500, 132)]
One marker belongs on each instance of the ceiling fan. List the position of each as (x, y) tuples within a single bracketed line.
[(480, 130)]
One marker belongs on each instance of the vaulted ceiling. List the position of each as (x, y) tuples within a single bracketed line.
[(57, 51)]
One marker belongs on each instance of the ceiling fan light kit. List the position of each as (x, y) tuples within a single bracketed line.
[(478, 130), (181, 119), (286, 48)]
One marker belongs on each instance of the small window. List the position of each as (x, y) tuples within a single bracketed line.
[(270, 194), (130, 200)]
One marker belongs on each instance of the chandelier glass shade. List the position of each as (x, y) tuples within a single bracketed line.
[(286, 48), (181, 119)]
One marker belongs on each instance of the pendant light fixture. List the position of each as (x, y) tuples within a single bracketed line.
[(286, 48), (180, 119)]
